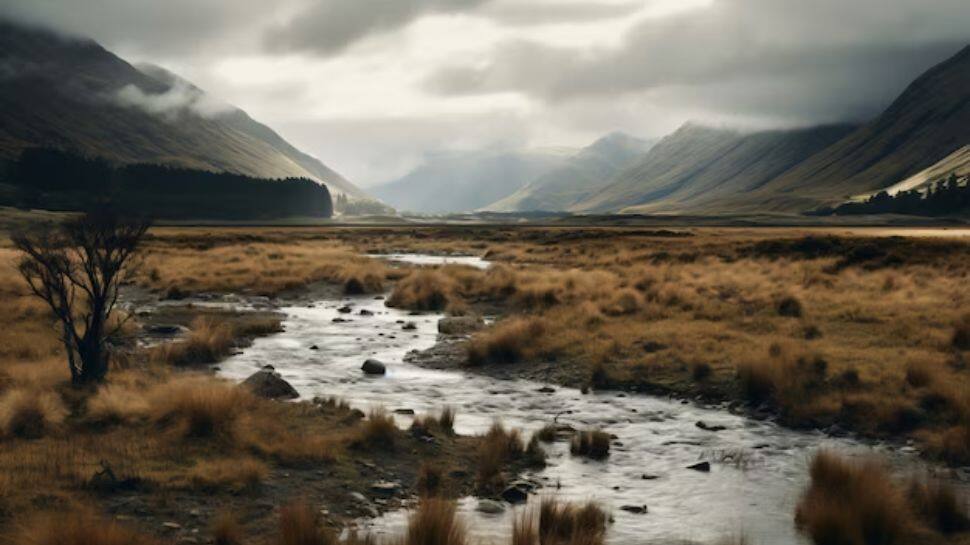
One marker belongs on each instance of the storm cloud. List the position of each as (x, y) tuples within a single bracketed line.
[(371, 86)]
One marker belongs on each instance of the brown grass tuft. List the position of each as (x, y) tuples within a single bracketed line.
[(379, 429), (424, 289), (510, 341), (851, 503), (29, 414), (568, 524), (939, 506), (498, 447), (235, 474), (593, 444), (226, 530), (208, 342), (199, 407), (300, 525), (117, 403), (435, 523), (79, 528)]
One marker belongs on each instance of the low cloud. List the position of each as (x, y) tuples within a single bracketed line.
[(178, 100)]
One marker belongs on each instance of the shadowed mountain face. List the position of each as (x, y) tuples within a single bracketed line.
[(74, 94), (926, 124), (580, 175), (465, 181), (699, 170), (696, 168)]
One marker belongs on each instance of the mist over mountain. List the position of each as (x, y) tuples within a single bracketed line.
[(71, 93), (458, 181), (579, 176)]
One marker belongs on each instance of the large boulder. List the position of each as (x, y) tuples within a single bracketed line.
[(460, 325), (373, 367), (269, 384)]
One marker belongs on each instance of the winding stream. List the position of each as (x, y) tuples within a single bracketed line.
[(657, 437)]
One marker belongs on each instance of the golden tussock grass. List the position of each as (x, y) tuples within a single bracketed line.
[(300, 525), (435, 522), (444, 421), (379, 430), (498, 447), (852, 503), (80, 527), (593, 444), (226, 530), (30, 414), (199, 407), (559, 523), (236, 474), (511, 341), (424, 289), (208, 341)]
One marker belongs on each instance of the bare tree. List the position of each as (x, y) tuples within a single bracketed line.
[(77, 268)]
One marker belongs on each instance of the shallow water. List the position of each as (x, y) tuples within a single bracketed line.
[(658, 436)]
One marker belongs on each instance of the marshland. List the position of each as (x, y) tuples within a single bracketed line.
[(544, 385)]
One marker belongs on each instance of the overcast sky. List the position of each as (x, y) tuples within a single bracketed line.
[(369, 86)]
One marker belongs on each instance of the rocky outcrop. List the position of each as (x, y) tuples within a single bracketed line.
[(269, 384)]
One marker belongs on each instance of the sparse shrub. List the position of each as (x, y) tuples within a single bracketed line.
[(379, 429), (789, 306), (851, 503), (444, 422), (961, 334), (28, 414), (78, 528), (198, 407), (435, 523), (300, 525), (593, 444), (424, 289), (938, 505), (510, 341), (236, 474), (225, 530)]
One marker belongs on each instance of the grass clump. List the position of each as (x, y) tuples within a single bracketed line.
[(79, 528), (29, 414), (208, 342), (851, 503), (511, 341), (594, 444), (498, 447), (435, 523), (199, 407), (300, 525), (424, 289), (378, 430), (235, 474)]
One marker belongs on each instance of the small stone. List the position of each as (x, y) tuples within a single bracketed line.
[(314, 347), (373, 367), (358, 497), (345, 310), (635, 509), (365, 312), (490, 507), (410, 326), (172, 525), (385, 487), (514, 495), (546, 390), (269, 384), (707, 427), (703, 467), (648, 477), (404, 411)]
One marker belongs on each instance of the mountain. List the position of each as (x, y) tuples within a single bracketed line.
[(459, 181), (929, 121), (696, 168), (957, 163), (73, 94), (579, 176)]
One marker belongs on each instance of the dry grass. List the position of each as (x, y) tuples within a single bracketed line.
[(511, 341), (435, 522), (225, 530), (235, 474), (852, 503), (300, 525), (444, 422), (498, 448), (424, 289), (30, 414), (939, 506), (80, 527), (208, 342), (379, 430), (593, 444), (199, 407)]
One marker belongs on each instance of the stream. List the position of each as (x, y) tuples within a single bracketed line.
[(758, 469)]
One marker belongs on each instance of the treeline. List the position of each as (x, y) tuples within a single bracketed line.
[(361, 207), (59, 180), (941, 198)]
